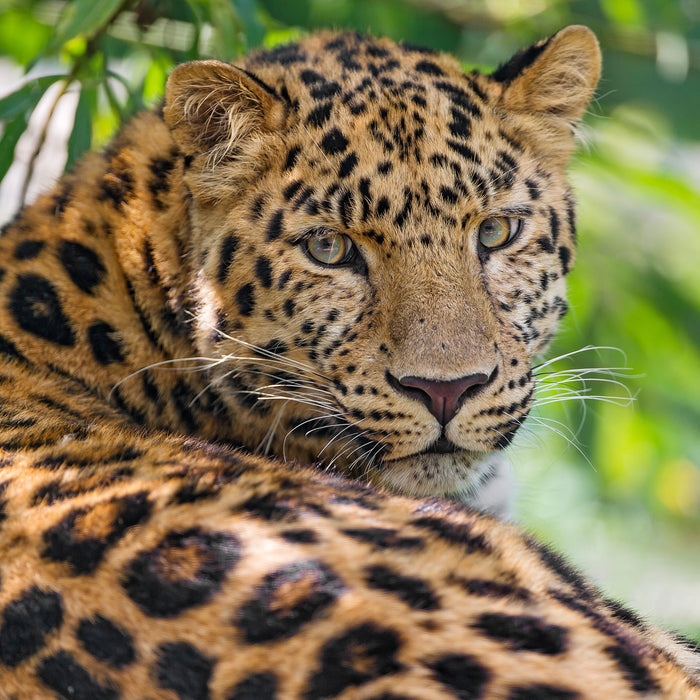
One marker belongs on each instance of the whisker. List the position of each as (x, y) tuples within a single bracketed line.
[(296, 427), (587, 348), (621, 401), (299, 398), (213, 382), (370, 456), (264, 351), (274, 363), (296, 382), (359, 447), (539, 420), (613, 371), (349, 426), (565, 428), (210, 362), (348, 443), (269, 435)]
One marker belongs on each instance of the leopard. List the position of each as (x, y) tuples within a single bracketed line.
[(257, 359)]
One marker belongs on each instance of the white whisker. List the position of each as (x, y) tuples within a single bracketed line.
[(587, 348), (573, 441), (616, 400), (209, 363), (296, 427), (264, 351), (335, 437), (270, 434), (359, 447)]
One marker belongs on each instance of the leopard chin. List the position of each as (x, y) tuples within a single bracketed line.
[(455, 474), (480, 480)]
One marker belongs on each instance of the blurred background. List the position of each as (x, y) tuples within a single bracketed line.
[(612, 481)]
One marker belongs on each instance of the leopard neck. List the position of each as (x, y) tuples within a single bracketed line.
[(153, 244)]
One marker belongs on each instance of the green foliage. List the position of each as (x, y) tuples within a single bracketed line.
[(91, 39), (83, 18), (636, 285)]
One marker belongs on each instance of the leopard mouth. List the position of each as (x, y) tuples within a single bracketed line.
[(440, 469), (442, 446)]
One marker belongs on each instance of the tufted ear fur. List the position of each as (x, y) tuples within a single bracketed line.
[(212, 107), (552, 80)]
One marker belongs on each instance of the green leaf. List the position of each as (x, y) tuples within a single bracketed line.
[(114, 104), (154, 80), (25, 98), (82, 17), (228, 35), (625, 13), (13, 131), (134, 100), (21, 35), (80, 138), (248, 13)]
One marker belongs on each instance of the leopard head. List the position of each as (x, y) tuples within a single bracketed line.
[(380, 244)]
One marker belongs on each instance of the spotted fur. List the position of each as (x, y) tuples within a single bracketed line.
[(162, 323)]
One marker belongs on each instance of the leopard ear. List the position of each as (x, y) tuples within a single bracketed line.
[(553, 78), (211, 107)]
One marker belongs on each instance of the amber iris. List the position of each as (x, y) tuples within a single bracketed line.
[(497, 231), (330, 248)]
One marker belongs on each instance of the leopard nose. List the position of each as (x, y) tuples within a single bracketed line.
[(442, 398)]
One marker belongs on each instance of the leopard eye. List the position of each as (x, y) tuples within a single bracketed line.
[(330, 248), (498, 231)]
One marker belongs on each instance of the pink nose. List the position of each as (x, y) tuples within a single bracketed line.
[(443, 399)]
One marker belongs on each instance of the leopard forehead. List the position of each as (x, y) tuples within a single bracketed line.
[(362, 111), (401, 152)]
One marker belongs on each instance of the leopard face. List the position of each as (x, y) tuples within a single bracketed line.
[(380, 246)]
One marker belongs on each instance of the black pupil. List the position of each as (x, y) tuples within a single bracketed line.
[(496, 226)]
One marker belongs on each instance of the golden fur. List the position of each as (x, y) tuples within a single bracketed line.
[(163, 321)]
